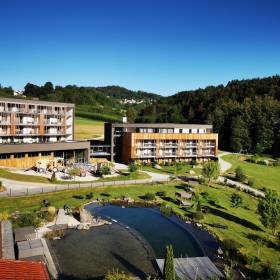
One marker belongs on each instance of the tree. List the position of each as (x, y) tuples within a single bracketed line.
[(239, 174), (236, 200), (132, 167), (116, 275), (168, 269), (210, 170), (131, 114), (105, 170), (4, 215), (269, 210), (74, 172)]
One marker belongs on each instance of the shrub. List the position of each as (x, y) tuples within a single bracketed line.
[(193, 162), (150, 196), (236, 200), (28, 219), (231, 246), (51, 210), (251, 182), (132, 167), (239, 174), (116, 275), (74, 172), (54, 234), (205, 195), (89, 195), (198, 215), (270, 273), (161, 193), (4, 216), (78, 196), (53, 177), (105, 170), (165, 210)]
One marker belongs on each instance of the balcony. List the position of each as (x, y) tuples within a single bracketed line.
[(145, 155), (145, 145)]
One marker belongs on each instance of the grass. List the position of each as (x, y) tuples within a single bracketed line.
[(88, 128), (264, 176), (243, 224), (4, 173), (170, 170)]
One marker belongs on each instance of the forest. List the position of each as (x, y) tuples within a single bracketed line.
[(245, 113)]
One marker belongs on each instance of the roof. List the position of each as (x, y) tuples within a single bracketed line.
[(7, 238), (162, 125), (39, 102), (193, 268), (184, 194), (23, 270), (25, 233)]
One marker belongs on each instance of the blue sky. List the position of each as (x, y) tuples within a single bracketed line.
[(154, 45)]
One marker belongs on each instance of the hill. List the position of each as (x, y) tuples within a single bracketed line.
[(245, 113)]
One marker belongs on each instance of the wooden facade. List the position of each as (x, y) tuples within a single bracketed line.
[(24, 162), (204, 144)]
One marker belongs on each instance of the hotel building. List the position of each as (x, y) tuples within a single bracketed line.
[(31, 130), (161, 142)]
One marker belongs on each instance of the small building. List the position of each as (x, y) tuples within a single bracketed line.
[(25, 233), (184, 194), (24, 270), (193, 268), (30, 248)]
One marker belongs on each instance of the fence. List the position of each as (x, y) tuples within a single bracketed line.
[(60, 187)]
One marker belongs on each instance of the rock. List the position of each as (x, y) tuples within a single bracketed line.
[(157, 166)]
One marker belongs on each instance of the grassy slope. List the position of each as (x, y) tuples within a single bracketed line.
[(88, 128), (265, 176), (4, 173), (243, 222)]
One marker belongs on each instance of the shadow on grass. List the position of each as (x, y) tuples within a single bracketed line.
[(259, 239), (169, 199), (234, 219)]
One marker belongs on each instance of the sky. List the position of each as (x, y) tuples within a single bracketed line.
[(160, 46)]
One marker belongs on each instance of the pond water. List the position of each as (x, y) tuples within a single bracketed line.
[(157, 229), (136, 237)]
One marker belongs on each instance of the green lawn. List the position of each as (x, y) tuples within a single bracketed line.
[(88, 128), (243, 222), (265, 176), (4, 173)]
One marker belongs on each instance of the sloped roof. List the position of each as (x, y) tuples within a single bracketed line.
[(23, 270)]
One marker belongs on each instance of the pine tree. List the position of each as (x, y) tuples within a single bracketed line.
[(168, 270)]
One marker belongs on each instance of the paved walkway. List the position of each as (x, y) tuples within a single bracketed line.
[(225, 166), (18, 188)]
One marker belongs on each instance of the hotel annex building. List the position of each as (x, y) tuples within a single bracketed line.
[(31, 130)]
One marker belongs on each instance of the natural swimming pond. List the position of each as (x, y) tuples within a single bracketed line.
[(130, 244)]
